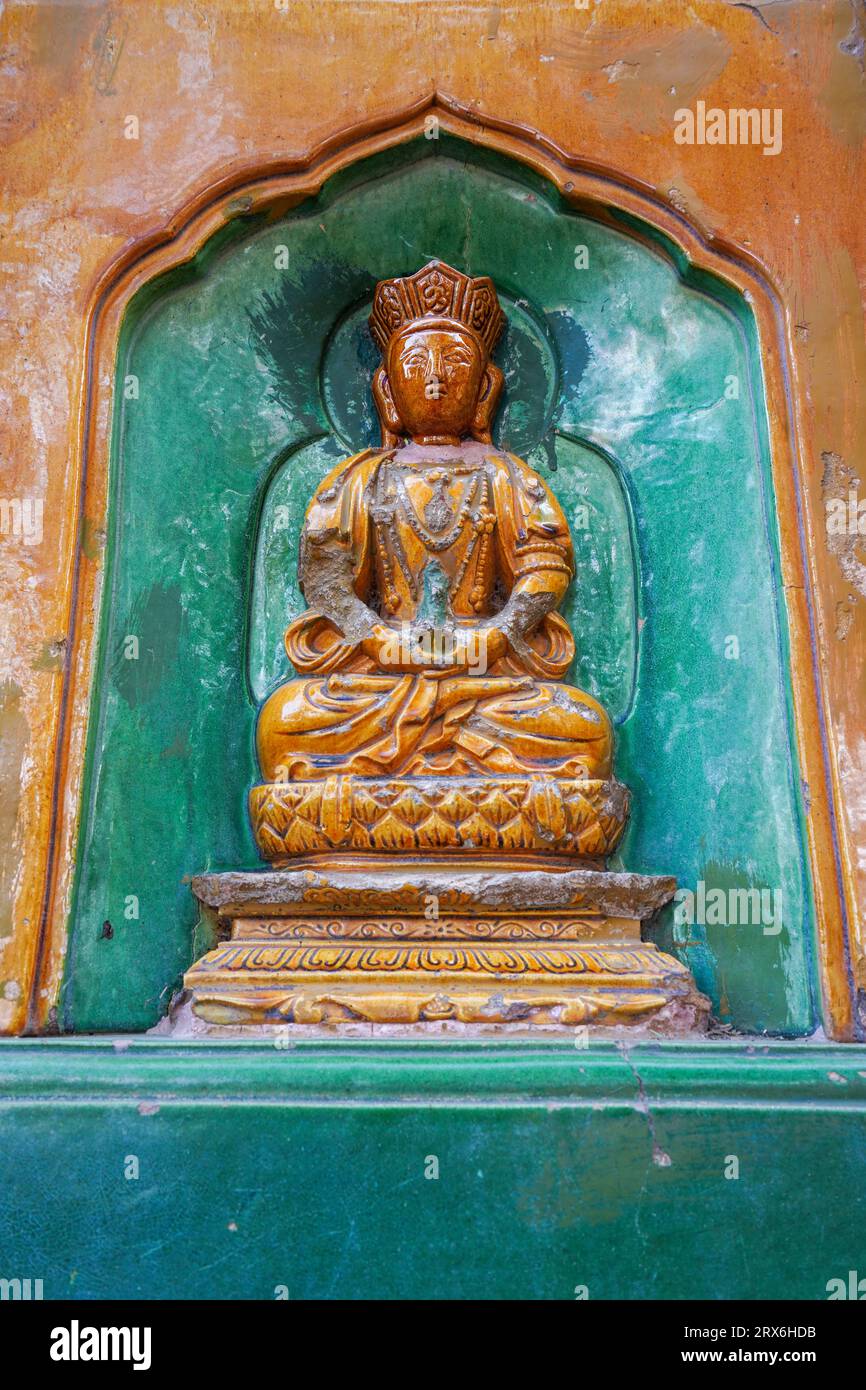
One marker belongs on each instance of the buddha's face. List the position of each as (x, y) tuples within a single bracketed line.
[(435, 375)]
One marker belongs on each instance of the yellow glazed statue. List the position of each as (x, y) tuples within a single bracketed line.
[(436, 515), (433, 568), (437, 802)]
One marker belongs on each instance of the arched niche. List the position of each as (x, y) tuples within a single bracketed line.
[(635, 388)]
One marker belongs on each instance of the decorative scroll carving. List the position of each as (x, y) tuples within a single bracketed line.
[(420, 928), (257, 958), (666, 1007)]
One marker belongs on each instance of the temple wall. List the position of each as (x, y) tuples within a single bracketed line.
[(136, 134)]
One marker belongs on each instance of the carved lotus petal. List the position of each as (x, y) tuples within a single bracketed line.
[(591, 841), (579, 814), (435, 793), (270, 841), (288, 796), (475, 794), (411, 808), (499, 809), (456, 807), (301, 837), (518, 834), (477, 831), (310, 808), (384, 794), (436, 833), (367, 809), (392, 833)]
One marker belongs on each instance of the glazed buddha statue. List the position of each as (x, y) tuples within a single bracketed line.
[(433, 568), (437, 803)]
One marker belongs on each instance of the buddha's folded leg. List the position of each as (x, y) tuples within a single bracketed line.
[(365, 724), (533, 724), (374, 726)]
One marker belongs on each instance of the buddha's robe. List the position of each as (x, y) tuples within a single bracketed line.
[(482, 523)]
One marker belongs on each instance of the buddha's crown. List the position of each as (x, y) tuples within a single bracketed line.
[(438, 291)]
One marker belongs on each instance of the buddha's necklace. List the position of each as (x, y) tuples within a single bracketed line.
[(473, 508), (439, 510)]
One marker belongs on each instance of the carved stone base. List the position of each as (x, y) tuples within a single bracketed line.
[(485, 945)]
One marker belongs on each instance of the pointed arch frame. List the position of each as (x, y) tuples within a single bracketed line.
[(275, 188)]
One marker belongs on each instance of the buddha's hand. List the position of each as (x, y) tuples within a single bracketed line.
[(403, 649), (462, 649), (487, 645), (442, 651), (383, 646)]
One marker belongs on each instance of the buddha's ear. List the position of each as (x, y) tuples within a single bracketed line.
[(488, 401), (392, 425)]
